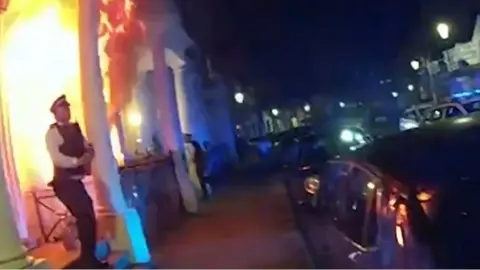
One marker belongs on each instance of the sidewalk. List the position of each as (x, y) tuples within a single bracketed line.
[(249, 226)]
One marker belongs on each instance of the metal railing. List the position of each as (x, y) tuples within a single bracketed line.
[(63, 217), (150, 186)]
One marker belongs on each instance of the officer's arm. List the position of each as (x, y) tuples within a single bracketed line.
[(54, 140), (86, 143)]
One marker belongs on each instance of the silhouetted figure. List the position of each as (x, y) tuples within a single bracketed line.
[(196, 163)]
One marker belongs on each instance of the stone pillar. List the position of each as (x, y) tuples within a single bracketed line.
[(6, 153), (190, 102), (144, 97), (145, 102), (12, 254), (220, 118), (170, 123), (228, 135), (121, 137), (10, 173), (128, 232)]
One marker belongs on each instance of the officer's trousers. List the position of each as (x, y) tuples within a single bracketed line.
[(74, 196)]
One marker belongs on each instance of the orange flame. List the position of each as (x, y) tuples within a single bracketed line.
[(123, 33)]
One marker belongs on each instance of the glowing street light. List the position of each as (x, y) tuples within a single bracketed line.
[(443, 30), (415, 64), (410, 87), (341, 104), (394, 94), (239, 98), (306, 107), (275, 112)]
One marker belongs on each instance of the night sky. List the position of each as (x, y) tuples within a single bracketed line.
[(294, 48)]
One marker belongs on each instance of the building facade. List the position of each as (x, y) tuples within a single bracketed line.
[(156, 94)]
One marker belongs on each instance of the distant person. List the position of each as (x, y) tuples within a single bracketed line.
[(241, 146), (71, 155), (196, 163)]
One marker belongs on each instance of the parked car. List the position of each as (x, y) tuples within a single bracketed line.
[(452, 109), (294, 144), (408, 200), (413, 116), (427, 113), (287, 148)]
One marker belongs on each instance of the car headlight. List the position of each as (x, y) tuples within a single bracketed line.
[(312, 184), (359, 138), (347, 136), (406, 124)]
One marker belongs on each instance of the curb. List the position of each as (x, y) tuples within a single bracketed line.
[(314, 258)]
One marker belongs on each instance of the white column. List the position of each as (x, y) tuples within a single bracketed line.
[(13, 185), (145, 103), (187, 83), (170, 125), (190, 102), (220, 119), (121, 136), (144, 97), (128, 235), (12, 254), (10, 173), (228, 135), (12, 204)]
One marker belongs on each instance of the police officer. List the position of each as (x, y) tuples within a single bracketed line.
[(71, 155)]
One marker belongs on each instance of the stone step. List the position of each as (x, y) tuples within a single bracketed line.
[(58, 257)]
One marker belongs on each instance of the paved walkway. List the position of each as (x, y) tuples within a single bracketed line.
[(244, 227)]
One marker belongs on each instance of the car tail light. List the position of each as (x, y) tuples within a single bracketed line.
[(305, 168), (426, 200), (400, 235), (401, 220), (397, 203)]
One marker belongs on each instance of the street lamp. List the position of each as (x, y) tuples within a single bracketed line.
[(394, 94), (410, 87), (341, 104), (415, 64), (306, 107), (275, 112), (443, 30), (239, 98)]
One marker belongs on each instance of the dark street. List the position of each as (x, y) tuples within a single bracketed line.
[(249, 226), (239, 134)]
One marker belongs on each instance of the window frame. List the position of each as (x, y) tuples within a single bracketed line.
[(460, 113), (335, 206), (429, 116), (470, 103)]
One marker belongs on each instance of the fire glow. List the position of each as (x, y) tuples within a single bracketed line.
[(40, 61)]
